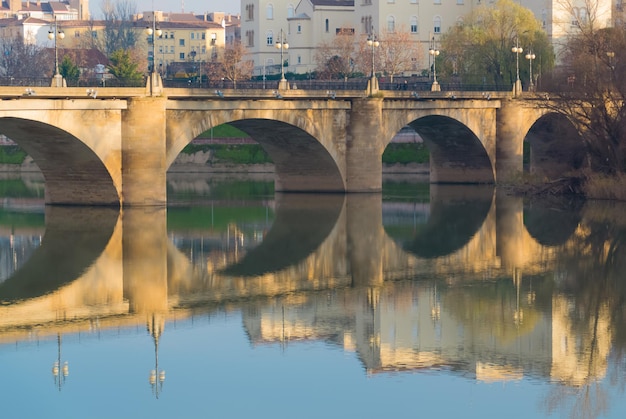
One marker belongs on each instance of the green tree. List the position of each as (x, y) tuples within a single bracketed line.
[(69, 71), (478, 48), (124, 68)]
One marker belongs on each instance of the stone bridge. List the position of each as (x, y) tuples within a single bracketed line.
[(113, 147)]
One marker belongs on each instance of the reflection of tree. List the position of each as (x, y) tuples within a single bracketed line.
[(490, 309), (593, 281)]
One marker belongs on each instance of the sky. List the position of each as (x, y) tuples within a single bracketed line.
[(196, 6)]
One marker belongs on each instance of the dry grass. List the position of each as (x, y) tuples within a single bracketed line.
[(599, 186)]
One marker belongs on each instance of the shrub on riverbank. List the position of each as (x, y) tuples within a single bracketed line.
[(405, 153), (12, 154), (402, 153), (231, 153)]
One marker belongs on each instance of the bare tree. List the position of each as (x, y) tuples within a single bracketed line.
[(336, 58), (119, 32), (398, 52), (23, 60), (235, 66), (588, 88)]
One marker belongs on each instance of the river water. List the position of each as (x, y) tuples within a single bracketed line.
[(236, 302)]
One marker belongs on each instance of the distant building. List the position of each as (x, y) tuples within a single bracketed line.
[(61, 10)]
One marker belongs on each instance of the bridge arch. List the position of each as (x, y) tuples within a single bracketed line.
[(556, 146), (307, 152), (460, 136), (76, 172)]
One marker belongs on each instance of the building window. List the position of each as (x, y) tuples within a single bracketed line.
[(250, 38), (182, 56), (249, 11), (459, 1), (270, 38), (269, 10), (299, 28), (76, 34), (193, 35), (172, 35), (181, 42), (299, 59), (171, 49), (326, 25), (437, 24), (413, 24), (94, 34), (367, 24), (391, 24)]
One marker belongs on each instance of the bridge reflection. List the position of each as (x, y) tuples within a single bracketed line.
[(486, 305)]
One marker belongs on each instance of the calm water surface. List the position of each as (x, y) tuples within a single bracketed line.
[(235, 302)]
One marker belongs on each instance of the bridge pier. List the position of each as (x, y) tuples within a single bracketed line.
[(144, 167), (364, 146), (511, 130)]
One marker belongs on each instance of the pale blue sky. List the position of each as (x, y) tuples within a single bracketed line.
[(196, 6)]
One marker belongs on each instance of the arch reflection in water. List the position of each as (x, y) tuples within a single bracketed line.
[(497, 308)]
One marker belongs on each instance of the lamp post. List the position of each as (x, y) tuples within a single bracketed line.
[(373, 43), (282, 45), (434, 52), (193, 61), (530, 57), (54, 34), (213, 46), (153, 32), (517, 50), (611, 56)]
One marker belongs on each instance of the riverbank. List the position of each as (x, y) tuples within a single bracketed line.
[(201, 163)]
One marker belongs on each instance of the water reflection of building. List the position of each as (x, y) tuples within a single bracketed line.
[(409, 326), (15, 250)]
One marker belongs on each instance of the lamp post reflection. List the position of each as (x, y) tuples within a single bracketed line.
[(157, 377), (60, 372)]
